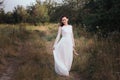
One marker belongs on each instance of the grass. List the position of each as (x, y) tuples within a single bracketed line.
[(30, 46), (99, 58)]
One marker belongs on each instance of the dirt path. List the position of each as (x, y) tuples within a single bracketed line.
[(10, 69), (7, 74)]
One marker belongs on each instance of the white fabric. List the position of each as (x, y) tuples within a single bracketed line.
[(63, 52)]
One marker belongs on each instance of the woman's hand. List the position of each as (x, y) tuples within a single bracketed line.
[(75, 52), (53, 48), (74, 46)]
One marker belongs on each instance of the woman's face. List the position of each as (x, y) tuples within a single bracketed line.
[(65, 20)]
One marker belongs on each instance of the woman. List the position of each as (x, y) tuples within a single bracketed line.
[(63, 48)]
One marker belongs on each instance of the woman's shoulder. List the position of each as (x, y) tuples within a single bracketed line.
[(59, 27), (70, 25)]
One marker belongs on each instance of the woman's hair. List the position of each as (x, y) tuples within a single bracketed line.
[(61, 24)]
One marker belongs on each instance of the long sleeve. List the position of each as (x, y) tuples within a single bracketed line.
[(73, 41), (58, 37)]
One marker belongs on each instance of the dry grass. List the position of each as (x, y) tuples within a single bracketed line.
[(27, 47), (99, 59), (30, 48)]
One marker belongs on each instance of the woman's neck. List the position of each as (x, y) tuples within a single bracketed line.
[(66, 24)]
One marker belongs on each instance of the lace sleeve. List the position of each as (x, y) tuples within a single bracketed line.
[(58, 37), (73, 41)]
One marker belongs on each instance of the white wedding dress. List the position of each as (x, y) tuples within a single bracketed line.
[(63, 52)]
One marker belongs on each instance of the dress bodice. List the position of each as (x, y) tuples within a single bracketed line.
[(67, 31)]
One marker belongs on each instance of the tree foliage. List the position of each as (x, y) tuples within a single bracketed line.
[(38, 13), (102, 15), (97, 15), (20, 14), (35, 14)]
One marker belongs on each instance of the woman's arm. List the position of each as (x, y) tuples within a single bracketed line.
[(58, 37), (73, 41)]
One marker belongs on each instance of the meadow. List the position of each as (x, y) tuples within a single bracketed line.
[(26, 54)]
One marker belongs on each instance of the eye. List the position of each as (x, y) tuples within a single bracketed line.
[(63, 19)]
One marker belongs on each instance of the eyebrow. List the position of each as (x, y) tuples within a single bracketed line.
[(63, 19)]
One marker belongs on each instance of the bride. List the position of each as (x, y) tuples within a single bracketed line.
[(63, 48)]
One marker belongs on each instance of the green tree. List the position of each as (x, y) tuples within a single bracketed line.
[(102, 15), (38, 13), (20, 14), (2, 15), (8, 18), (69, 8)]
